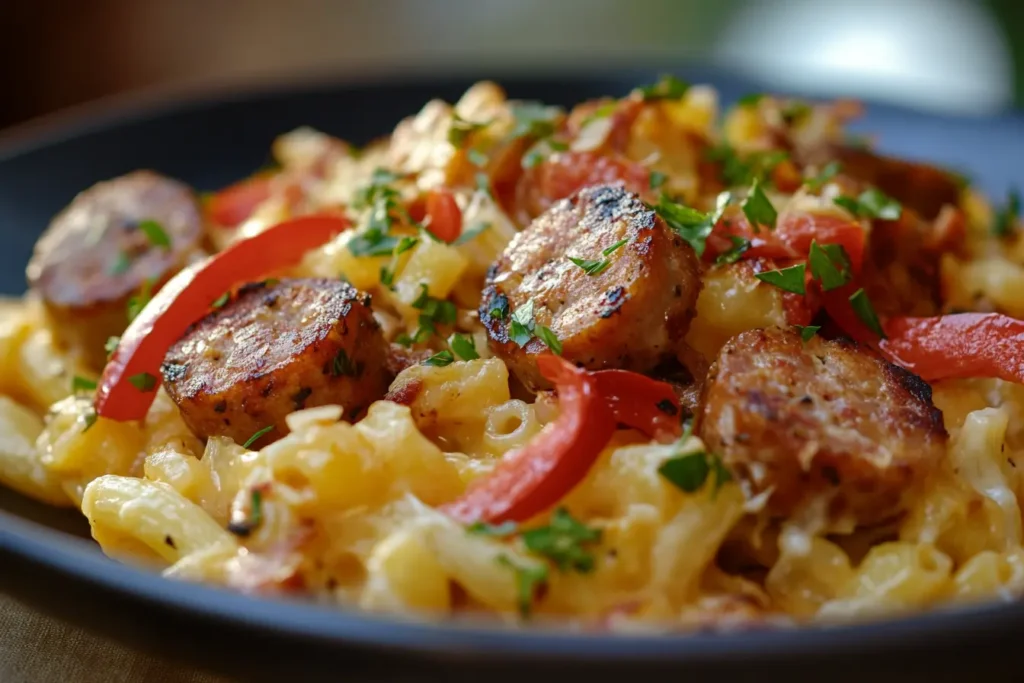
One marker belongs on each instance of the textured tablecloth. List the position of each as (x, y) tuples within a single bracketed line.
[(35, 648)]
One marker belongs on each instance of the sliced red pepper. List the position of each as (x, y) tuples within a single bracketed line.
[(534, 478), (792, 237), (187, 297), (234, 204), (957, 346), (445, 215), (640, 402)]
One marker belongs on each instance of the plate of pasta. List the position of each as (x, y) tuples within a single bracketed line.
[(655, 370)]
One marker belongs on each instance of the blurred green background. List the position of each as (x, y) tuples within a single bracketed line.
[(957, 56)]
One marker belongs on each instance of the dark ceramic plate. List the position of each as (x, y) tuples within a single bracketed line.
[(210, 141)]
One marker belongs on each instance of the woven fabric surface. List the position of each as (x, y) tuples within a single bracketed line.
[(36, 648)]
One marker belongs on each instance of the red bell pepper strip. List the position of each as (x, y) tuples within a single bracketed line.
[(531, 479), (957, 346), (187, 297), (791, 239), (445, 215), (234, 204), (640, 402)]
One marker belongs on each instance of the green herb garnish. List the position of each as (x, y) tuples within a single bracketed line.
[(689, 472), (81, 384), (806, 332), (751, 99), (139, 301), (866, 312), (739, 246), (830, 171), (221, 300), (549, 338), (528, 581), (471, 232), (667, 87), (440, 359), (155, 233), (657, 179), (462, 129), (541, 151), (829, 265), (591, 267), (615, 247), (89, 419), (342, 365), (871, 203), (464, 347), (502, 530), (1007, 217), (520, 329), (143, 381), (564, 542), (691, 225), (122, 264), (758, 208), (534, 119), (255, 437), (111, 345), (789, 279)]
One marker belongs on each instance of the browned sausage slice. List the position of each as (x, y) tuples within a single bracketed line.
[(105, 246), (275, 349), (822, 419), (632, 314)]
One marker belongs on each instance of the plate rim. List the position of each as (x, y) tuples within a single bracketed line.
[(343, 626)]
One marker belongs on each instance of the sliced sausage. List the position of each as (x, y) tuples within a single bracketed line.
[(275, 349), (631, 315), (825, 419), (94, 255)]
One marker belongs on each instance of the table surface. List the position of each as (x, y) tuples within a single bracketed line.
[(35, 648)]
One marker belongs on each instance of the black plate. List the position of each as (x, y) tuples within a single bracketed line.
[(213, 140)]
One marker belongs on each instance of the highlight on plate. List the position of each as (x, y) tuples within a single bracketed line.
[(630, 366)]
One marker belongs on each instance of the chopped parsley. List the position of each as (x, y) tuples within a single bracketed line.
[(615, 247), (244, 528), (520, 329), (872, 203), (122, 264), (221, 300), (807, 332), (462, 129), (750, 99), (528, 581), (690, 472), (138, 302), (826, 174), (440, 359), (111, 345), (564, 542), (433, 311), (667, 87), (549, 338), (657, 179), (155, 233), (471, 232), (502, 530), (534, 119), (342, 365), (384, 203), (499, 310), (690, 224), (789, 279), (81, 384), (829, 265), (464, 347), (739, 246), (539, 152), (744, 170), (758, 208), (89, 419), (143, 381), (387, 273), (1007, 217), (866, 312), (794, 110), (591, 267), (256, 437)]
